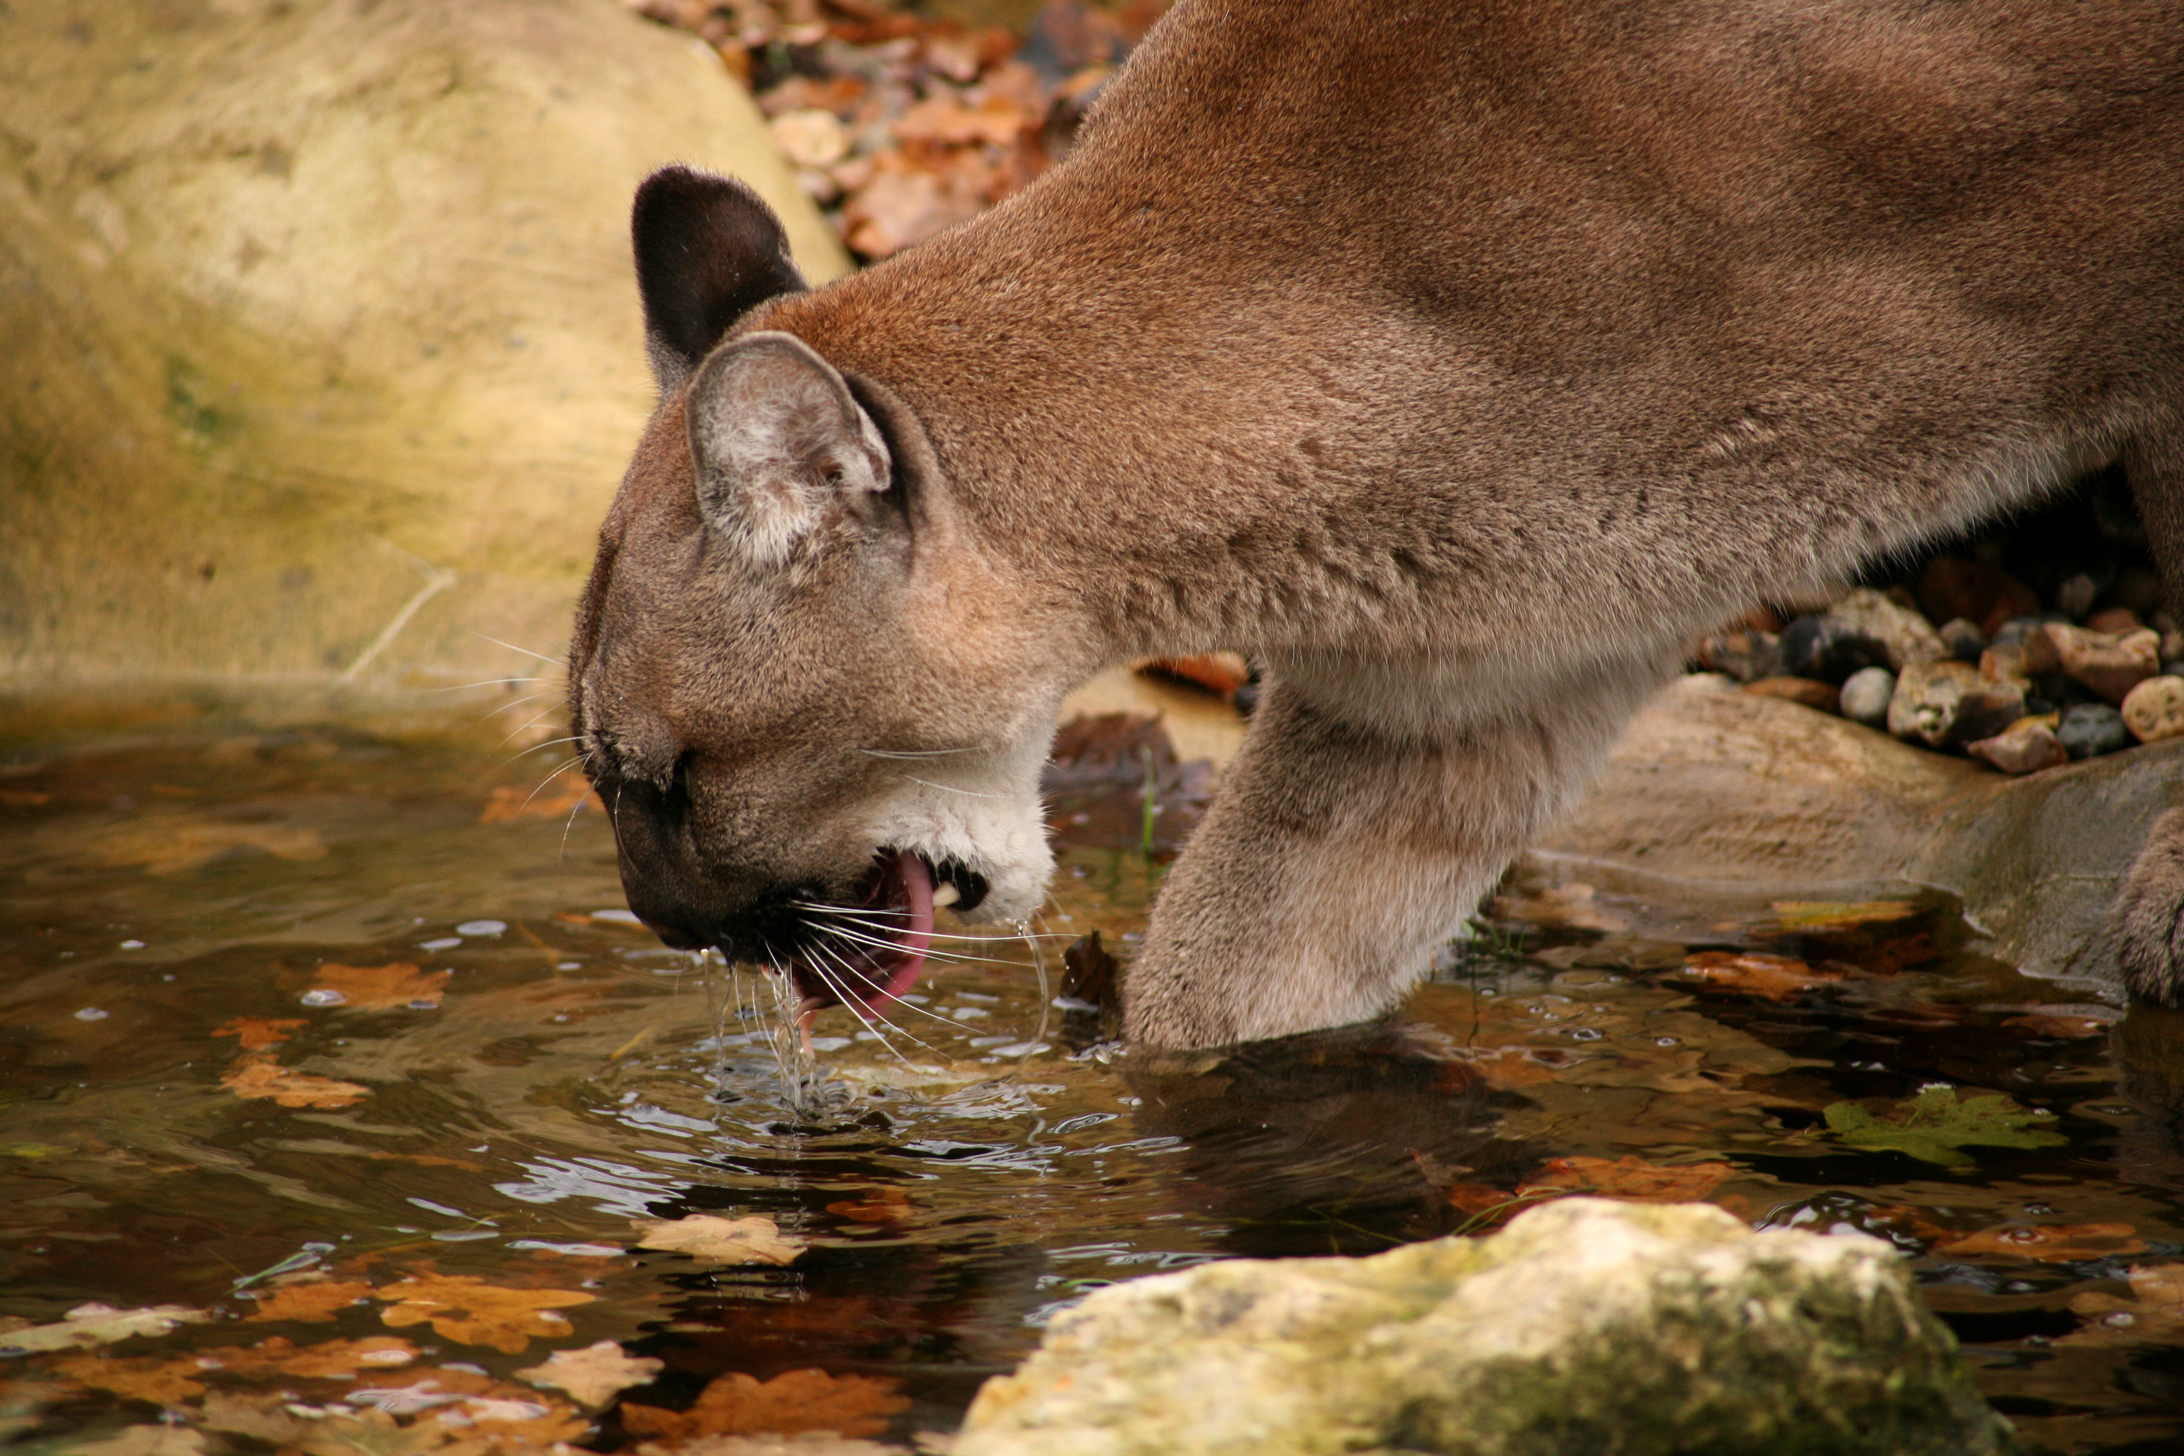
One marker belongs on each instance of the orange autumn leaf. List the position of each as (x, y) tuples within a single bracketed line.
[(554, 800), (801, 1400), (1778, 978), (253, 1032), (1632, 1179), (2154, 1312), (473, 1312), (2062, 1028), (2049, 1243), (311, 1303), (1476, 1198), (257, 1074), (384, 988), (160, 1379), (326, 1360), (879, 1205)]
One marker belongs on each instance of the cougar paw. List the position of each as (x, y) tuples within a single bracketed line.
[(2149, 916)]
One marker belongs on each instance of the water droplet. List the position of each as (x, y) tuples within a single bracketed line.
[(481, 927), (132, 945), (92, 1013), (324, 996), (1583, 1033), (2120, 1320), (446, 942), (1665, 1041)]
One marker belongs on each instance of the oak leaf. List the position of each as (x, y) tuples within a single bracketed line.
[(2154, 1312), (801, 1400), (1934, 1124), (878, 1205), (253, 1032), (2050, 1243), (594, 1374), (89, 1325), (753, 1240), (160, 1379), (1778, 978), (326, 1360), (159, 1440), (310, 1303), (384, 988), (257, 1074), (1632, 1179), (556, 799), (473, 1312)]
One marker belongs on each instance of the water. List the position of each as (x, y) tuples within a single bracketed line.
[(348, 1053)]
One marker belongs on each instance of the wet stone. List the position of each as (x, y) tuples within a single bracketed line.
[(1963, 639), (2106, 664), (1828, 649), (1807, 691), (1746, 656), (1947, 703), (2026, 746), (1906, 636), (2092, 729), (1865, 696), (2154, 710)]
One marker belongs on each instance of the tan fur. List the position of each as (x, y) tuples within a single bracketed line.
[(1460, 363)]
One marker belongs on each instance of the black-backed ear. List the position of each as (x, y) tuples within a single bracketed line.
[(709, 250), (779, 442)]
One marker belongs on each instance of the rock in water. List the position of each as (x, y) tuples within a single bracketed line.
[(1865, 696), (1587, 1325)]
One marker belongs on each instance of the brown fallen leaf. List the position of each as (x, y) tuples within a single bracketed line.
[(252, 1032), (159, 1440), (171, 844), (1632, 1179), (1840, 914), (473, 1312), (1778, 978), (594, 1374), (878, 1205), (311, 1303), (2154, 1312), (257, 1074), (326, 1360), (90, 1325), (160, 1379), (753, 1240), (801, 1400), (557, 799), (2062, 1028), (2049, 1243), (383, 988)]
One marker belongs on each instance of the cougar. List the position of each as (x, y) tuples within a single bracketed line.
[(1460, 363)]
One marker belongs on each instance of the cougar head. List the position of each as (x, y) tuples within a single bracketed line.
[(796, 681)]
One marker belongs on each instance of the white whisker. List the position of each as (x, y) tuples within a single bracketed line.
[(880, 942), (527, 652), (950, 788), (871, 1020), (907, 753), (489, 682)]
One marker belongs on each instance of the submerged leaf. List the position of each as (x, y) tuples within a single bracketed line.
[(2155, 1311), (801, 1400), (2049, 1243), (1632, 1179), (753, 1240), (253, 1032), (89, 1325), (1778, 978), (1840, 915), (1934, 1124), (311, 1303), (384, 988), (594, 1374), (257, 1074), (473, 1312)]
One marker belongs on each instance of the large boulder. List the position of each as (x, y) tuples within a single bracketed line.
[(1587, 1325), (323, 353)]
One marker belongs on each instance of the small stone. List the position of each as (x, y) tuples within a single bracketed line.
[(1805, 690), (2004, 662), (1947, 702), (2114, 619), (2092, 729), (1906, 635), (2076, 595), (1865, 695), (2107, 664), (2154, 710), (2026, 746), (1828, 649), (1746, 655), (1951, 586), (1962, 637)]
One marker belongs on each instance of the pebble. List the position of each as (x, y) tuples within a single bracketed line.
[(2026, 746), (1907, 636), (1951, 586), (2077, 594), (1948, 702), (1865, 696), (1746, 656), (1829, 650), (2092, 729), (1808, 691), (2154, 710), (1962, 637), (2108, 664)]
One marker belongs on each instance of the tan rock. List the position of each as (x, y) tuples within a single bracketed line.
[(2108, 664), (2154, 710), (1946, 703), (1909, 637), (2026, 746), (1808, 691), (2005, 663)]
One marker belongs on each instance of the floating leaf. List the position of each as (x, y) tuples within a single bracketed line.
[(753, 1240), (594, 1374), (1840, 915), (2060, 1027), (383, 988), (174, 845), (89, 1325), (473, 1312), (310, 1303), (1934, 1124), (878, 1205), (556, 799), (326, 1360), (1632, 1179), (160, 1379), (2049, 1243), (159, 1440), (1778, 978), (253, 1032), (2154, 1312), (801, 1400), (257, 1074)]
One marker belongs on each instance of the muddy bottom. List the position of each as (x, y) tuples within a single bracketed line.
[(345, 1059)]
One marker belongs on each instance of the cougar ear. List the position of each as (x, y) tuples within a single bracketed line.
[(708, 251), (778, 440)]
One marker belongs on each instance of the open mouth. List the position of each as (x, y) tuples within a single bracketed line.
[(867, 955)]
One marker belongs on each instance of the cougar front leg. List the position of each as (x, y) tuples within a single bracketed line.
[(1339, 854)]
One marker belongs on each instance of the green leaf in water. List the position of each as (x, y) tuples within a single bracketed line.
[(1933, 1125)]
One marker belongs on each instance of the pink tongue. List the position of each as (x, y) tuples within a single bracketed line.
[(916, 935)]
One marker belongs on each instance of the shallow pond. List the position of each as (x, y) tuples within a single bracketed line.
[(345, 1051)]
